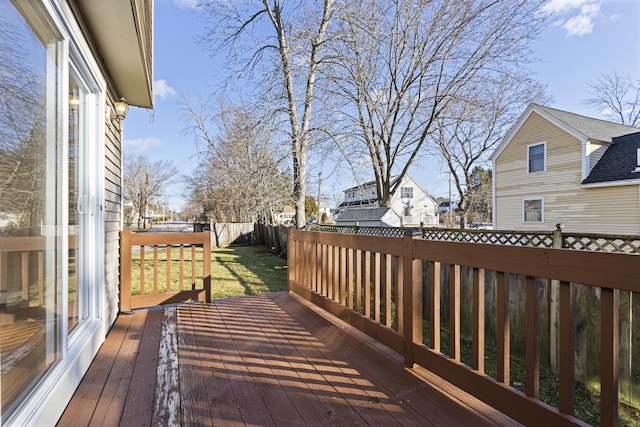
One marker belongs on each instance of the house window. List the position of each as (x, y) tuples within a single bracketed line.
[(533, 210), (407, 192), (536, 157)]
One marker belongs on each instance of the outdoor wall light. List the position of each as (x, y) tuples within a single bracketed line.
[(122, 108)]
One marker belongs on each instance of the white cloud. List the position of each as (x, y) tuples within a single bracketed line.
[(578, 26), (162, 89), (142, 144), (584, 14), (186, 4), (554, 7)]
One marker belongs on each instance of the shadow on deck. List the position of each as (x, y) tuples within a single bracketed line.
[(260, 360)]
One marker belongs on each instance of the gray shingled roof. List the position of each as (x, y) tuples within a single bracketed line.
[(372, 214), (596, 129), (618, 162)]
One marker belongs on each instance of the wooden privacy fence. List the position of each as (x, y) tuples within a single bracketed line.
[(376, 284), (164, 247)]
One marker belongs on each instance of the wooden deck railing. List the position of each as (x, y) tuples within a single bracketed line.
[(29, 248), (164, 293), (376, 284)]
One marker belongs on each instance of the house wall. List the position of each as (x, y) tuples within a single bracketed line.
[(423, 207), (112, 216), (613, 210)]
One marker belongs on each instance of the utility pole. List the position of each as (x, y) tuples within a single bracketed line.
[(319, 184)]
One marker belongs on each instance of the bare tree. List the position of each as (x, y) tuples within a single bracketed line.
[(240, 176), (144, 179), (616, 95), (402, 63), (475, 122), (288, 41), (478, 196), (22, 135)]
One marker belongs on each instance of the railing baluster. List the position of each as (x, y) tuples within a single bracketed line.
[(399, 283), (343, 275), (314, 267), (142, 281), (609, 355), (193, 267), (168, 254), (376, 286), (155, 269), (478, 319), (532, 383), (435, 305), (349, 273), (503, 330), (358, 292), (387, 290), (41, 277), (454, 312), (324, 275), (181, 267), (367, 284), (567, 344), (24, 273)]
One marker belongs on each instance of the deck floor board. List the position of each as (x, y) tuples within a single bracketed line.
[(262, 360)]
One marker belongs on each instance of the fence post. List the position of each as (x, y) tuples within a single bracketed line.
[(554, 305), (125, 271)]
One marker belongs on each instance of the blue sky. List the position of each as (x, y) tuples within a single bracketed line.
[(584, 39)]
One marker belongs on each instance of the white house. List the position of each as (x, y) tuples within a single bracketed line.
[(65, 67), (410, 206)]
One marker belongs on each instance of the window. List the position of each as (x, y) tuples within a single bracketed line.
[(536, 157), (407, 192), (533, 210)]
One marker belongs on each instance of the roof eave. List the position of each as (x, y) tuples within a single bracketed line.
[(123, 33)]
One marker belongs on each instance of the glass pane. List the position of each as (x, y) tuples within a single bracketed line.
[(75, 101), (30, 195)]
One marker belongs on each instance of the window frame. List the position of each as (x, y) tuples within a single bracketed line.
[(544, 157), (524, 210), (78, 347), (406, 190)]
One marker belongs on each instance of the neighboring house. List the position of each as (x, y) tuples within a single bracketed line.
[(445, 207), (287, 215), (558, 167), (325, 209), (65, 65), (409, 207)]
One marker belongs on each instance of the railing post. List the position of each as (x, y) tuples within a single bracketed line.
[(206, 261), (412, 298), (554, 306), (125, 271)]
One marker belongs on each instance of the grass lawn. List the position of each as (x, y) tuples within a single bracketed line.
[(246, 270), (235, 271)]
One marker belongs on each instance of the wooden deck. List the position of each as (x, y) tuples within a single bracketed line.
[(259, 360)]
